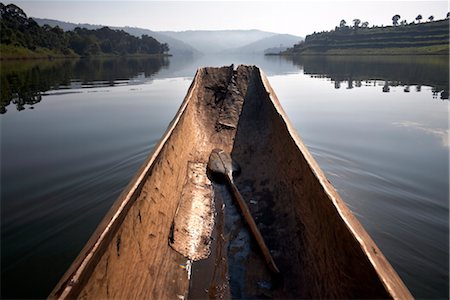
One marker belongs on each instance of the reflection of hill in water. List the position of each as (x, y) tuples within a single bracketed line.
[(186, 66), (22, 83), (394, 70)]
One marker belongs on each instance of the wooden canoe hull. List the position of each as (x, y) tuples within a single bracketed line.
[(319, 246)]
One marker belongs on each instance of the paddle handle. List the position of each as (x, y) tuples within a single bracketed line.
[(253, 228)]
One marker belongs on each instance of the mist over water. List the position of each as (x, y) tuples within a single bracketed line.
[(73, 133)]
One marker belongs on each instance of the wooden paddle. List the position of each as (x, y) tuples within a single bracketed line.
[(220, 163)]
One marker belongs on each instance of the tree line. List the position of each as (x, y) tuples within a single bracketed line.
[(418, 38), (395, 21), (20, 31)]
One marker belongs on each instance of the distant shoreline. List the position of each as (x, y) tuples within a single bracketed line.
[(368, 52), (83, 57), (37, 55), (23, 38), (430, 38)]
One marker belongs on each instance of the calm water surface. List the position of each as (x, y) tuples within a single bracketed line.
[(73, 133)]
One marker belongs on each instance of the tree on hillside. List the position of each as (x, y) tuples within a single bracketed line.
[(395, 20), (365, 24), (404, 22), (418, 18), (431, 18), (20, 31), (356, 22), (342, 23), (448, 15)]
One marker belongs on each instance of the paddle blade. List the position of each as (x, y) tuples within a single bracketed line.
[(218, 161)]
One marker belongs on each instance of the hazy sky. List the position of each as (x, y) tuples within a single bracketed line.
[(294, 17)]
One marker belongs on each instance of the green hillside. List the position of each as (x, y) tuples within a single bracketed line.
[(420, 38), (22, 37)]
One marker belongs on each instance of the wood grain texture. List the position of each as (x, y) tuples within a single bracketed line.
[(344, 224), (191, 232), (321, 249)]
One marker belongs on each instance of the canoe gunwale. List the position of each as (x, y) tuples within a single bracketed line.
[(72, 280), (386, 273), (81, 269)]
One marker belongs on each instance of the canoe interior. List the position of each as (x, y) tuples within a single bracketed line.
[(320, 248)]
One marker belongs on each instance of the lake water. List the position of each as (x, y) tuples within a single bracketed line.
[(73, 133)]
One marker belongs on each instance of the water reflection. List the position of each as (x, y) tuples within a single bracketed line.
[(182, 66), (23, 82), (384, 71), (383, 159)]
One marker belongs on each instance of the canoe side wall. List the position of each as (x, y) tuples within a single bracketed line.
[(139, 262), (310, 241), (332, 229), (95, 265)]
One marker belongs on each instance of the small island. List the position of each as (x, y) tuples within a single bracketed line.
[(415, 38), (23, 38)]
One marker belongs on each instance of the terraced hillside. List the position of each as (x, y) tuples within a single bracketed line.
[(421, 38)]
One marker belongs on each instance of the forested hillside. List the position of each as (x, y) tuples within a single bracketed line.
[(177, 47), (416, 38), (23, 37)]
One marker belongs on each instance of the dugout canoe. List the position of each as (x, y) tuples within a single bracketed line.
[(176, 234)]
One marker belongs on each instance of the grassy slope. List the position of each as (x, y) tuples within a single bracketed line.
[(10, 52), (17, 52), (427, 50), (425, 38)]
